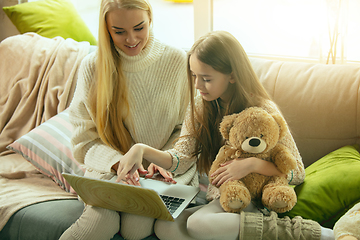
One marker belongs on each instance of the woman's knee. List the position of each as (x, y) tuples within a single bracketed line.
[(95, 223), (135, 226), (105, 220)]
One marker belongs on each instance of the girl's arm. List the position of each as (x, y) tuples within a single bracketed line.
[(296, 176), (239, 168), (177, 160)]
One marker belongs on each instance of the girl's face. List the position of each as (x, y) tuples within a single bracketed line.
[(210, 83), (129, 29)]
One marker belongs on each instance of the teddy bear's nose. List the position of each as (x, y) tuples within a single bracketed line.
[(254, 142)]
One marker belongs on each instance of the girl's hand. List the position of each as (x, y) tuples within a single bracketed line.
[(241, 167), (232, 170), (167, 176), (130, 163)]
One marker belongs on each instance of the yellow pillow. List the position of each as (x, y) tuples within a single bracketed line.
[(50, 18)]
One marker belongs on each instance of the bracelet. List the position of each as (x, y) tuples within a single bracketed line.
[(292, 175), (177, 163)]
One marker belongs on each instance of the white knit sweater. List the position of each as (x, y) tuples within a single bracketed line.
[(156, 79)]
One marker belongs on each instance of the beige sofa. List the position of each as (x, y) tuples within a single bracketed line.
[(320, 102)]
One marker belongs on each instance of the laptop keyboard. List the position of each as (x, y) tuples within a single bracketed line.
[(172, 203)]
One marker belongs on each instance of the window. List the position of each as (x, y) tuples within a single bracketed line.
[(173, 22), (310, 30), (353, 32), (293, 29)]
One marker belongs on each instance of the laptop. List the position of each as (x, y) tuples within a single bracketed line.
[(156, 199)]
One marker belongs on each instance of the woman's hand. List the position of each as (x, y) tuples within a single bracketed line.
[(129, 164), (232, 170), (241, 167), (166, 176), (133, 179)]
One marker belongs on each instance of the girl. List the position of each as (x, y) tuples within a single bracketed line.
[(220, 70), (125, 94)]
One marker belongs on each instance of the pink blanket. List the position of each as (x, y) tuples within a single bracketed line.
[(37, 81)]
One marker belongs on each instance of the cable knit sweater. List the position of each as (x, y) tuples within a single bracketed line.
[(156, 80)]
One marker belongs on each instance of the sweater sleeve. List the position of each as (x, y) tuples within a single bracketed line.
[(86, 144), (182, 152), (296, 176)]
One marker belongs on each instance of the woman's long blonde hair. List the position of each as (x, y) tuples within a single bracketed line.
[(109, 94), (223, 52)]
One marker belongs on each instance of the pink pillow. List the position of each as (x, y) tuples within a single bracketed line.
[(48, 148)]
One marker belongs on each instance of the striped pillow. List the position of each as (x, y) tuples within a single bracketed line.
[(48, 148)]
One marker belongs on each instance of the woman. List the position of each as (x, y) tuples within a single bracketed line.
[(220, 70), (124, 95)]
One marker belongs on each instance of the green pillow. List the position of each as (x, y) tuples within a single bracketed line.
[(331, 187), (50, 18)]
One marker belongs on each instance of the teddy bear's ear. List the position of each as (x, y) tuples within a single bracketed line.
[(282, 124), (226, 124)]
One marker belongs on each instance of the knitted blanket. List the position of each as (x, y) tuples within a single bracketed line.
[(37, 79)]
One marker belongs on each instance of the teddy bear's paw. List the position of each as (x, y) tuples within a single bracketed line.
[(234, 196), (280, 204), (279, 198), (235, 204)]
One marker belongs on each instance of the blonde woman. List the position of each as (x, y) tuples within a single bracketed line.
[(219, 69), (131, 90)]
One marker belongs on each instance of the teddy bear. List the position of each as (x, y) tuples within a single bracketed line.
[(255, 133)]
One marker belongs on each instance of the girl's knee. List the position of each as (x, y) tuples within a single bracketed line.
[(195, 226), (162, 228), (174, 230)]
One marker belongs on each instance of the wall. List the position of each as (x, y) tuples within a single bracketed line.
[(7, 28)]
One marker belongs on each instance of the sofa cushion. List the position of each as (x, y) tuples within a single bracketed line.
[(46, 221), (48, 148), (331, 187), (50, 18)]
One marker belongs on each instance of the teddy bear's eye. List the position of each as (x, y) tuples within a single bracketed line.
[(261, 136), (246, 137)]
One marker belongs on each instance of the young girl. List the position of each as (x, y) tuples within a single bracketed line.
[(219, 69), (125, 94)]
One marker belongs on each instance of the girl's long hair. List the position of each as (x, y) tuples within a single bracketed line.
[(223, 52), (109, 93)]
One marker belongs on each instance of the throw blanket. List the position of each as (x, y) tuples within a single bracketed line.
[(37, 79)]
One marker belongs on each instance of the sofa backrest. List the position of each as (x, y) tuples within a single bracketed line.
[(320, 102)]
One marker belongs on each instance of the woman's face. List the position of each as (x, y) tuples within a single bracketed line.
[(210, 83), (129, 29)]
